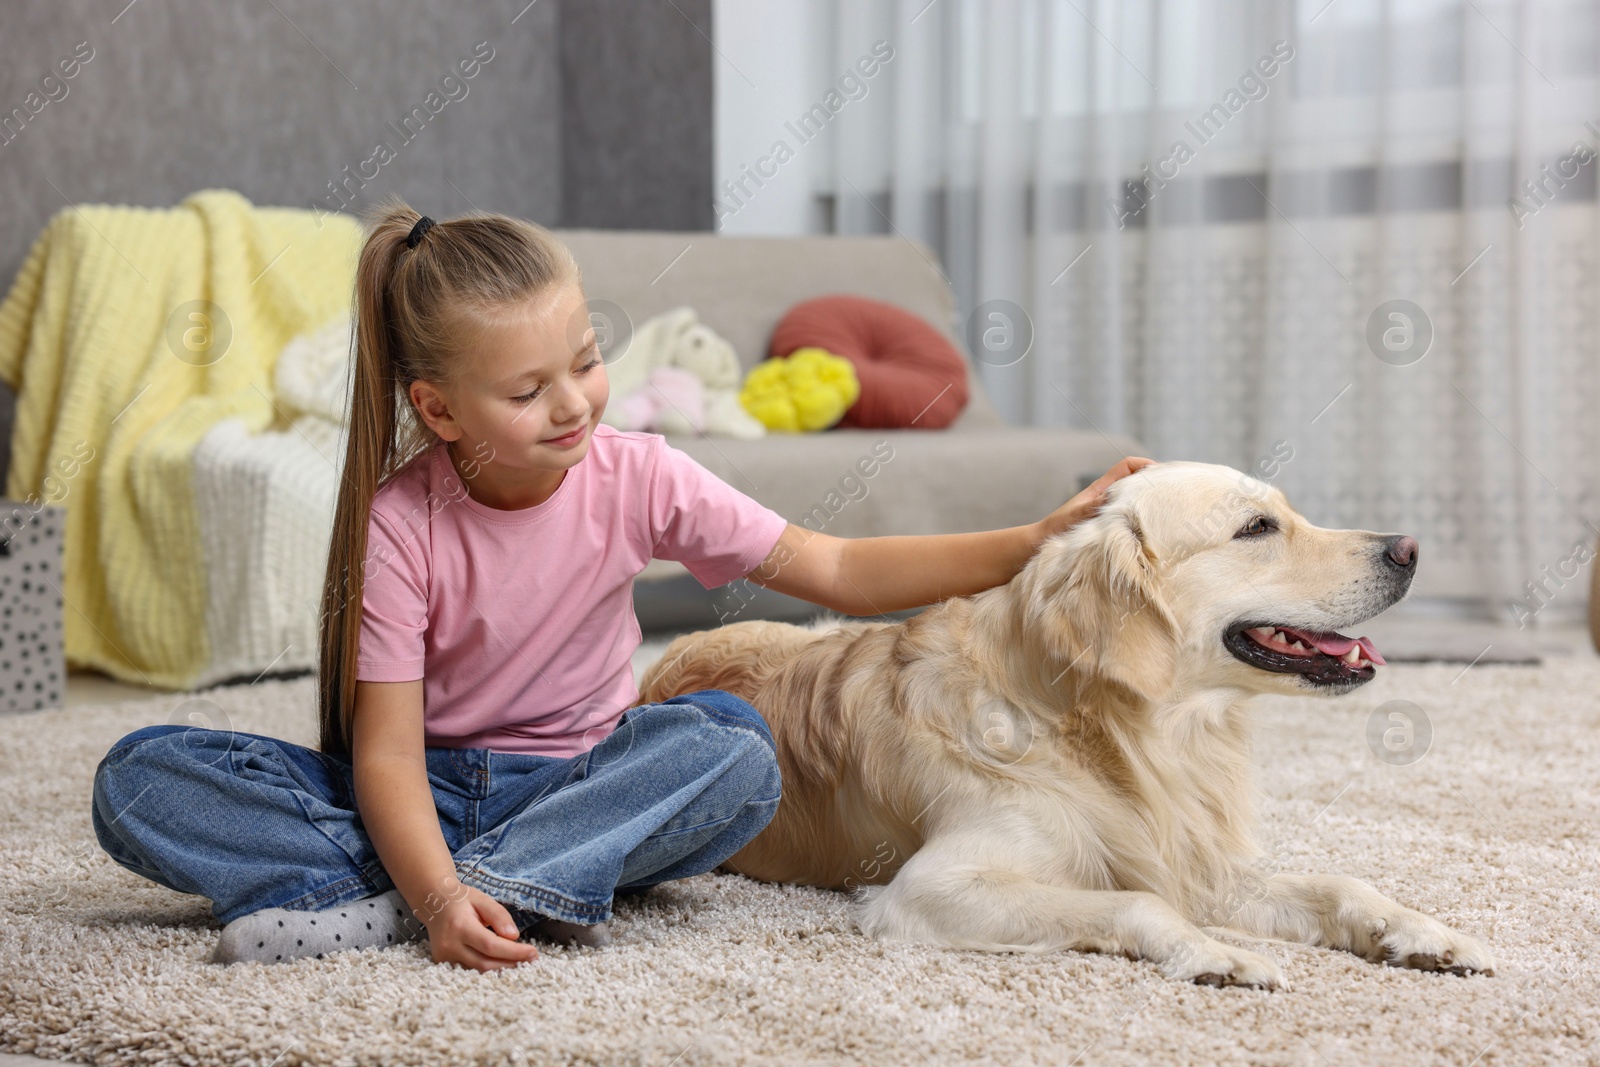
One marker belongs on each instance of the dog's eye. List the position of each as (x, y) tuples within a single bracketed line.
[(1256, 527)]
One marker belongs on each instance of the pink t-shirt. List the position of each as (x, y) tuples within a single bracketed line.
[(521, 623)]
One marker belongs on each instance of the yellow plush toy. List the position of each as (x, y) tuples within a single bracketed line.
[(810, 389)]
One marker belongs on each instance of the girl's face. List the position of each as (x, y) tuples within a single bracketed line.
[(534, 377)]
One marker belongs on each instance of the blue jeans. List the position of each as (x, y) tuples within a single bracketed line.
[(253, 822)]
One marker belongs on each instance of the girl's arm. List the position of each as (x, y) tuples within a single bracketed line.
[(876, 575), (397, 809)]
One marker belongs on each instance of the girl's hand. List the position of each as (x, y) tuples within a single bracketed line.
[(474, 930), (1088, 502)]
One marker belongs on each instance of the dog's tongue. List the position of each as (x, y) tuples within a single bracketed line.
[(1336, 645)]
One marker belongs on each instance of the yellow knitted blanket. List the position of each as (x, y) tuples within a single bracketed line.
[(128, 333)]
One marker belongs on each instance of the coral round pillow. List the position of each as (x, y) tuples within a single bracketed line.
[(910, 373)]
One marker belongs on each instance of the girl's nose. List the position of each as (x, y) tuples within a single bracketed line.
[(574, 405)]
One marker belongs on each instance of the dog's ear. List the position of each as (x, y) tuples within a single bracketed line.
[(1095, 599)]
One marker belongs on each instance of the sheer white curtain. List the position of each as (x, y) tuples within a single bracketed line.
[(1350, 246)]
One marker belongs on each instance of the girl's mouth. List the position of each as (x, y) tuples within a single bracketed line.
[(570, 439)]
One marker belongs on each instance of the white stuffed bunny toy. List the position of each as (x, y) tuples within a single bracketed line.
[(654, 380)]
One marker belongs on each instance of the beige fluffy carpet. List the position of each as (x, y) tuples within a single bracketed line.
[(1493, 830)]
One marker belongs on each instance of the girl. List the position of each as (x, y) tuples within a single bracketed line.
[(478, 781)]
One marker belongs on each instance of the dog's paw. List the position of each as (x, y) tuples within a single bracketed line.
[(1217, 964), (1411, 939)]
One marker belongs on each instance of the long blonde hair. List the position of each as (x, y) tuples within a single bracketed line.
[(415, 309)]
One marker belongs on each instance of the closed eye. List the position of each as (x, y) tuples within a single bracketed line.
[(1256, 527), (586, 368)]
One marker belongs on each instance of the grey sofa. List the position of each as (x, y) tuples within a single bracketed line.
[(978, 474)]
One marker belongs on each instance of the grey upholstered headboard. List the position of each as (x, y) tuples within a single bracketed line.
[(593, 113)]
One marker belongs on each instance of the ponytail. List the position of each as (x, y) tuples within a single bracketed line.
[(414, 306)]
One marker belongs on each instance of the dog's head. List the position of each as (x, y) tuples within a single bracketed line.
[(1197, 576)]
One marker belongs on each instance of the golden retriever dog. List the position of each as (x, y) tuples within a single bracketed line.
[(1063, 761)]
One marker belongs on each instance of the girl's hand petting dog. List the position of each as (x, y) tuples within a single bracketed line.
[(1088, 502)]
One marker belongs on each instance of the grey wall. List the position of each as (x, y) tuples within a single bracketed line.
[(636, 114), (593, 114)]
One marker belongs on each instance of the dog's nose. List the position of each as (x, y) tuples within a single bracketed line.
[(1402, 552)]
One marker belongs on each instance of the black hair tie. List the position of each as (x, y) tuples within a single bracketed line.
[(424, 224)]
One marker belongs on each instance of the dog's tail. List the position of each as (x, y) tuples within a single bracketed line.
[(737, 659)]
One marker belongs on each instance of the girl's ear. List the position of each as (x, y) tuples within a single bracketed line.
[(1095, 598)]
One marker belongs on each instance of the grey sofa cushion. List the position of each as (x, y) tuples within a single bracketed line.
[(939, 481), (978, 474)]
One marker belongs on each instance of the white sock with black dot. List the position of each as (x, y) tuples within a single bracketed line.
[(278, 935)]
